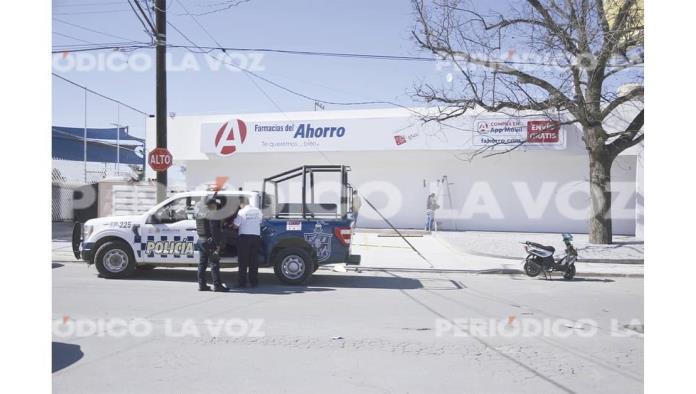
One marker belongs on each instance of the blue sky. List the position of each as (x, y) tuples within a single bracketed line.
[(381, 27), (198, 84)]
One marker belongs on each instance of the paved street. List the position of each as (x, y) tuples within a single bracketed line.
[(369, 331)]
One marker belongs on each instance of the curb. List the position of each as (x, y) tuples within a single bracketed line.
[(579, 260), (493, 271)]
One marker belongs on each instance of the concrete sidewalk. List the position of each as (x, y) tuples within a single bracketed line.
[(506, 245), (480, 252)]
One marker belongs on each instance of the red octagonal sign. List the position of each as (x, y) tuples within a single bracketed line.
[(160, 159)]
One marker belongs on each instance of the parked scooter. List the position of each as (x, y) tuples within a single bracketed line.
[(540, 259)]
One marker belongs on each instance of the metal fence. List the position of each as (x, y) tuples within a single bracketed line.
[(77, 106), (62, 203)]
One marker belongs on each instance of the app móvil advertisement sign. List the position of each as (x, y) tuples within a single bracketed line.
[(513, 131)]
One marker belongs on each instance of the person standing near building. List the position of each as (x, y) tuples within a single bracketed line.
[(431, 207), (248, 221), (357, 203), (210, 244)]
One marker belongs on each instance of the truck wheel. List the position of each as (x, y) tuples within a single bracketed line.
[(293, 266), (115, 260)]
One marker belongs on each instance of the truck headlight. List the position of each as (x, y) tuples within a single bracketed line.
[(87, 231)]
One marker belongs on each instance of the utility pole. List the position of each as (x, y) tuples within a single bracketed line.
[(161, 86)]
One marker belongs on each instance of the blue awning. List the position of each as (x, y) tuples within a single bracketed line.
[(68, 144)]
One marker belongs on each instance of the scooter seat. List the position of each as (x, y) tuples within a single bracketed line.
[(549, 248), (540, 246)]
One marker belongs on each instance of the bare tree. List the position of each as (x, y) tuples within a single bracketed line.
[(581, 50)]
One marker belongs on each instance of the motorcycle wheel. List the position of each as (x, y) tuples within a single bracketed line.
[(570, 273), (531, 268)]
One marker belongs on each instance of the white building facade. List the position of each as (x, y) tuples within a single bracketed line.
[(397, 161)]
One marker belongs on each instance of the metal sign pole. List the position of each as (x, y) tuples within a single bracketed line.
[(161, 90), (84, 140), (118, 139)]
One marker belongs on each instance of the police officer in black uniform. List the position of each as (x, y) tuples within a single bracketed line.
[(210, 244)]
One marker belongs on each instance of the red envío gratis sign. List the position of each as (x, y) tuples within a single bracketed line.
[(160, 159), (543, 131)]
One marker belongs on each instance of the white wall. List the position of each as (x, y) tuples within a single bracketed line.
[(525, 190), (520, 184)]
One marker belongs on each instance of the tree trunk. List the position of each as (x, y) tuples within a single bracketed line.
[(600, 193)]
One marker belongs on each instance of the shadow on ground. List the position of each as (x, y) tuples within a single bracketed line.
[(560, 279), (604, 280), (64, 355), (270, 284)]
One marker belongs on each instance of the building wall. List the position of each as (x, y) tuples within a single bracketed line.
[(535, 188), (517, 191)]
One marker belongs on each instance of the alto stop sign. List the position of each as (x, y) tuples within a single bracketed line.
[(160, 159)]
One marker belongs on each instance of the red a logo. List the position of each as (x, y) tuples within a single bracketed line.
[(399, 139), (225, 137)]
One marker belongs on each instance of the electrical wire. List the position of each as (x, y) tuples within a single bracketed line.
[(89, 4), (90, 12), (92, 30), (73, 38), (140, 15), (100, 48), (100, 95)]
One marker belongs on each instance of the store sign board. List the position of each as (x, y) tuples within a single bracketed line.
[(234, 136)]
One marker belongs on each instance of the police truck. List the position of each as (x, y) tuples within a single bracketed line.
[(297, 237)]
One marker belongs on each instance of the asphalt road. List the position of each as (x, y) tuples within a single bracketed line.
[(375, 332)]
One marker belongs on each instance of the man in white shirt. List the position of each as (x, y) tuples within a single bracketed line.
[(248, 222)]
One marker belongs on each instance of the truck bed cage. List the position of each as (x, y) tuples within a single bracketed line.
[(306, 210)]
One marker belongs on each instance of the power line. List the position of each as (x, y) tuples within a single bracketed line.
[(104, 47), (89, 4), (314, 53), (374, 56), (250, 73), (92, 30), (72, 38), (198, 23), (151, 29), (90, 12), (100, 95), (208, 49), (89, 45), (259, 88), (187, 39)]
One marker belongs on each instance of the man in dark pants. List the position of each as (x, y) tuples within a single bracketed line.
[(210, 244), (248, 221)]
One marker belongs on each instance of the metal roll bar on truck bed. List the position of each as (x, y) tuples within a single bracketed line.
[(307, 210)]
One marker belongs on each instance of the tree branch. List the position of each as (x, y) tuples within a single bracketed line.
[(630, 136), (635, 93)]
